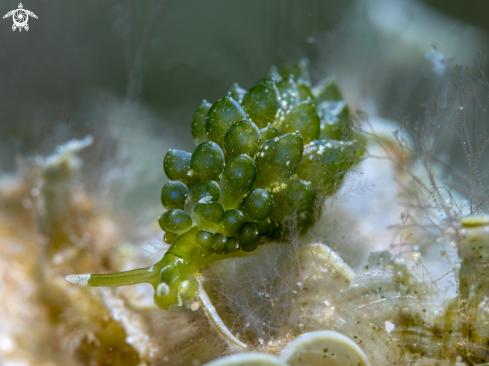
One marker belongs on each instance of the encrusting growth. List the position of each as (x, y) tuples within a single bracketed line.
[(263, 156)]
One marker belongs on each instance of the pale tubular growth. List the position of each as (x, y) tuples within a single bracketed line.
[(65, 154), (319, 257), (316, 348), (248, 359), (319, 348), (216, 321), (53, 203)]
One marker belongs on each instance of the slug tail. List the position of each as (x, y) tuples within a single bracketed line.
[(126, 278)]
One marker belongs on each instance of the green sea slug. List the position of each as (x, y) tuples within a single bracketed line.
[(263, 157)]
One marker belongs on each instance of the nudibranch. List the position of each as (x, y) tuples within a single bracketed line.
[(263, 156)]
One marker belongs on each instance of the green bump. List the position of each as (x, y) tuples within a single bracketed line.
[(333, 112), (174, 194), (248, 237), (242, 138), (257, 205), (222, 115), (169, 238), (277, 159), (302, 118), (233, 222), (204, 191), (177, 165), (325, 163), (205, 239), (188, 288), (335, 120), (206, 252), (327, 90), (298, 71), (273, 75), (198, 123), (220, 243), (261, 103), (237, 179), (206, 163), (268, 133), (163, 289), (207, 216), (263, 226), (291, 198), (232, 245), (274, 229), (175, 221), (237, 93), (289, 94), (305, 93)]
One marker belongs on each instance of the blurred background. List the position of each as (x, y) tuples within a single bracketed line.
[(131, 73)]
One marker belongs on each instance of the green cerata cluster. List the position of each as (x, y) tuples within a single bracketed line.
[(263, 156)]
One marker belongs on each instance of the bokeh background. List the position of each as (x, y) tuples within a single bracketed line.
[(131, 73)]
